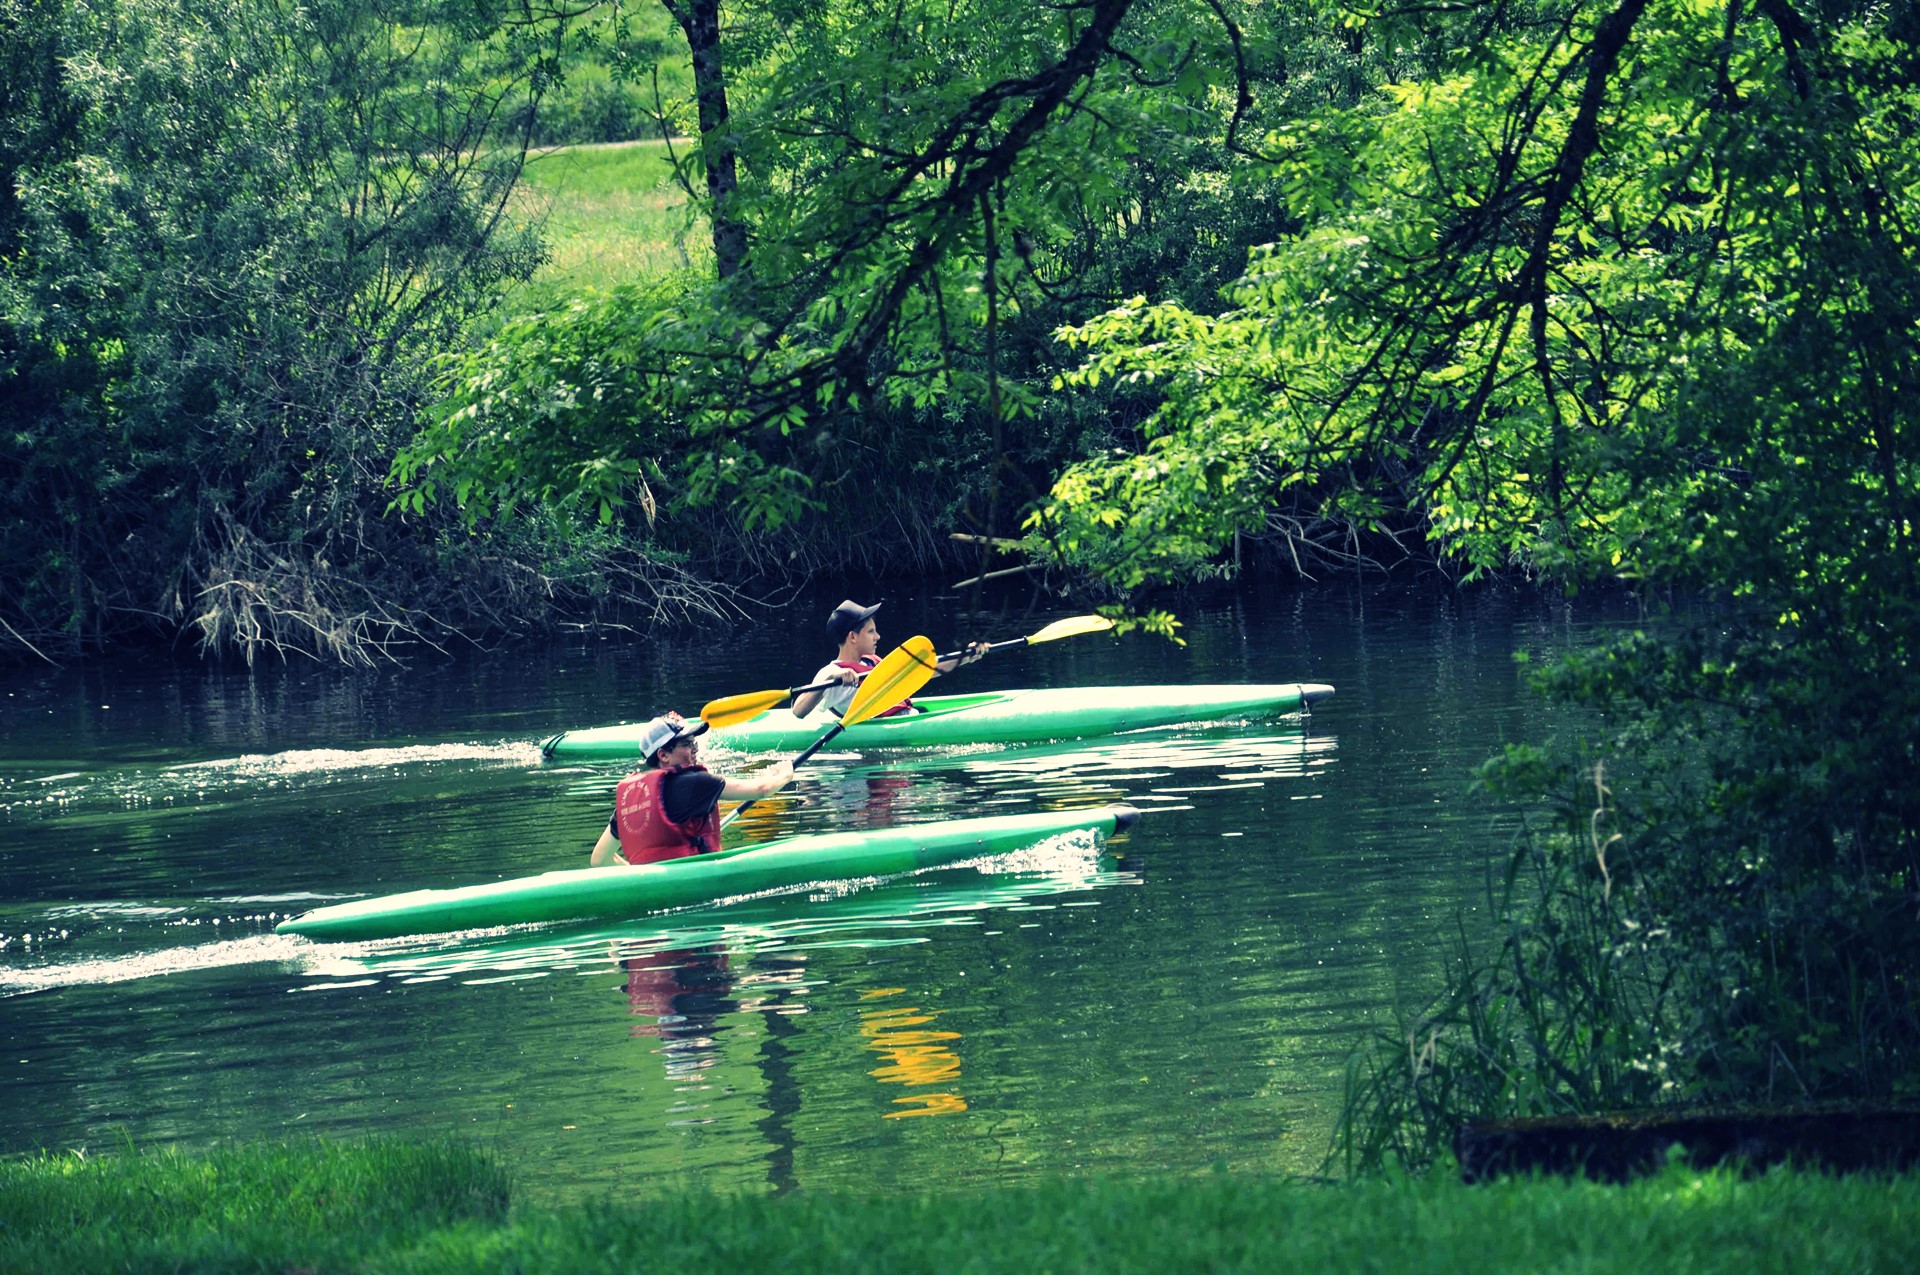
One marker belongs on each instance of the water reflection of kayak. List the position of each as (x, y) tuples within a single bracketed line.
[(594, 894), (1073, 712)]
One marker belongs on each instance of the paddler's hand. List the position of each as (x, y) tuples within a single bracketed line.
[(973, 652), (757, 784), (846, 676)]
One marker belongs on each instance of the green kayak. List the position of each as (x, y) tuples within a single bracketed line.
[(990, 717), (603, 894)]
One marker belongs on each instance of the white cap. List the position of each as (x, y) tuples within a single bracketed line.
[(665, 730)]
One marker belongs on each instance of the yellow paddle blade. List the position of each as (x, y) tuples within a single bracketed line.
[(907, 668), (1073, 627), (731, 710)]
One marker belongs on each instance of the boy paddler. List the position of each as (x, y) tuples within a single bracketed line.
[(671, 808), (851, 629)]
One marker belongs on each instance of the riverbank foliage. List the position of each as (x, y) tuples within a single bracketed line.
[(398, 1208), (233, 242), (1654, 323)]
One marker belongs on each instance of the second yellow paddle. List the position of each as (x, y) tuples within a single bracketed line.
[(731, 710)]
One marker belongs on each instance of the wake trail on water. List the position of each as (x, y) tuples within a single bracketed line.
[(305, 761), (252, 950), (221, 777)]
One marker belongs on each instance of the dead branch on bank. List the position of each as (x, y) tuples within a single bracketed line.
[(288, 600), (260, 597), (16, 635), (1311, 544), (623, 588)]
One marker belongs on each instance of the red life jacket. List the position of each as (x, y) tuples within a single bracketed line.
[(865, 664), (646, 834)]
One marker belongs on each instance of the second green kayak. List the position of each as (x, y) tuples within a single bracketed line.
[(989, 717), (604, 894)]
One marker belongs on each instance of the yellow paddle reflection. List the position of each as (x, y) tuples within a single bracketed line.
[(914, 1055)]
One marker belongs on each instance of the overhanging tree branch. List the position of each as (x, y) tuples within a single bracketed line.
[(973, 162)]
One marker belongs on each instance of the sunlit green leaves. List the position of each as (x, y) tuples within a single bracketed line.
[(1528, 386)]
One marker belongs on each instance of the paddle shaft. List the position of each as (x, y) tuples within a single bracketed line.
[(805, 753), (991, 648)]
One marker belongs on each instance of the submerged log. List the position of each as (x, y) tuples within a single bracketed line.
[(1626, 1145)]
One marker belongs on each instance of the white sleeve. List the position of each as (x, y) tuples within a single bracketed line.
[(835, 698)]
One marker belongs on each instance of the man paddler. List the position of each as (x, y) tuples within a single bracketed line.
[(671, 808), (851, 629)]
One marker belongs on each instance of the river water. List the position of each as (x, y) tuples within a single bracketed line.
[(1184, 997)]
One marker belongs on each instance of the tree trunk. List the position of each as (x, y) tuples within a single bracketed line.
[(700, 20)]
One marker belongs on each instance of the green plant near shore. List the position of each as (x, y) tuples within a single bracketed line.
[(387, 1207)]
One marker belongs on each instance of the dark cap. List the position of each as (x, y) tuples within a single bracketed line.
[(847, 617)]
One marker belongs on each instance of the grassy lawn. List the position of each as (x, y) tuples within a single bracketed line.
[(613, 214), (440, 1208)]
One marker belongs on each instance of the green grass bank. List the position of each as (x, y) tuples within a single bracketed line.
[(612, 214), (396, 1207)]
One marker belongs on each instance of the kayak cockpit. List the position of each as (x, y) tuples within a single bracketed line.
[(941, 705)]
